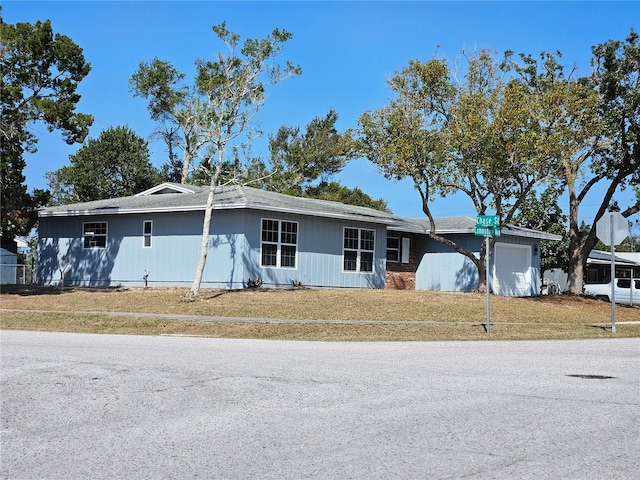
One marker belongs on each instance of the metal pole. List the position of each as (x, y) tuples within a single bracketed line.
[(488, 278), (613, 279)]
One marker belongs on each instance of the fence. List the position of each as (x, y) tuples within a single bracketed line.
[(17, 274)]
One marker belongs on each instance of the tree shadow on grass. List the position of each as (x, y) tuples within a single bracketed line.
[(210, 294), (31, 290), (34, 290)]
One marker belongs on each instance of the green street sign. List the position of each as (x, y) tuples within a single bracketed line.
[(487, 231), (488, 221)]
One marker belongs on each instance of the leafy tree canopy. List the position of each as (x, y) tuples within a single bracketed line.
[(303, 163), (543, 213), (116, 164), (299, 159), (459, 131), (164, 88), (594, 124), (335, 192), (40, 74)]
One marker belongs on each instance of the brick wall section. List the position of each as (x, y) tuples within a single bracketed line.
[(402, 276), (401, 280)]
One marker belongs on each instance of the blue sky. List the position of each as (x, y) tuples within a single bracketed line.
[(347, 51)]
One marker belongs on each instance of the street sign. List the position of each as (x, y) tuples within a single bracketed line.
[(488, 226), (612, 221), (487, 231), (488, 220)]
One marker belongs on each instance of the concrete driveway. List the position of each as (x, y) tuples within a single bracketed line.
[(77, 406)]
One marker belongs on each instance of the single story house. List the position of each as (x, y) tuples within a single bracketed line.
[(154, 238)]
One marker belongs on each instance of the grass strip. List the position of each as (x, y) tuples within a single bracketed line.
[(415, 331)]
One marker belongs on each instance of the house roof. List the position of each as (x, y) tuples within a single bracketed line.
[(174, 197), (599, 257), (465, 225)]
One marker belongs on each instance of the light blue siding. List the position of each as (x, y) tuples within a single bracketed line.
[(233, 257), (442, 269), (234, 254), (446, 272), (319, 250), (171, 260)]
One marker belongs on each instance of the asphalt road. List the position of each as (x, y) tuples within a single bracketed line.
[(78, 406)]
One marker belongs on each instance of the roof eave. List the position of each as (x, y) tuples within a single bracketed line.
[(465, 231), (117, 211), (344, 216), (426, 231), (531, 234), (195, 208)]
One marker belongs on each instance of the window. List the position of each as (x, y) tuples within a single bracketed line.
[(94, 235), (393, 249), (279, 243), (624, 283), (397, 251), (358, 248), (147, 232)]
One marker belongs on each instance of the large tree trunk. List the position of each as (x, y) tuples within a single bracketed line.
[(194, 292), (575, 273), (580, 245)]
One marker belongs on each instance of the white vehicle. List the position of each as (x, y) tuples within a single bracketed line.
[(623, 291)]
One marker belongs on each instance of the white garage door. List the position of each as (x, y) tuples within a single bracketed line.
[(512, 270)]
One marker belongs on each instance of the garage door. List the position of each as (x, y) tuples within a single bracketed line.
[(512, 270)]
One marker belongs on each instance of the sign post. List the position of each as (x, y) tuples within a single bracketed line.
[(612, 229), (488, 277), (488, 226)]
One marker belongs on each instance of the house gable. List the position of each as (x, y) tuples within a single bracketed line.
[(166, 188)]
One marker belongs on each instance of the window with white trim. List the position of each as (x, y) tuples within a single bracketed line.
[(358, 250), (94, 235), (279, 243), (147, 233)]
